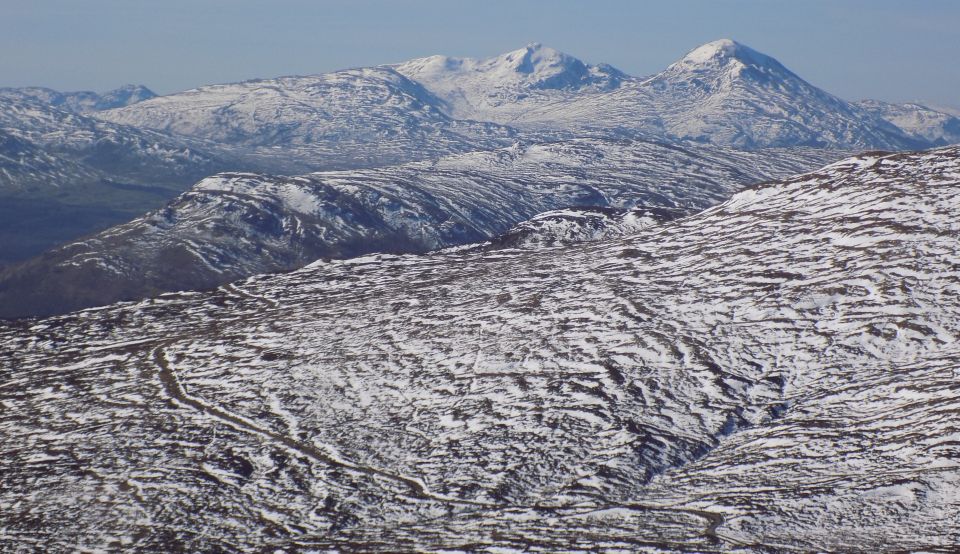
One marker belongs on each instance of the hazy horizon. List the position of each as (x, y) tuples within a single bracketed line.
[(880, 49)]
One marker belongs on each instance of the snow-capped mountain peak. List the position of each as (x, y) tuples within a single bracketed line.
[(724, 51), (474, 86), (728, 93), (124, 96), (534, 66), (539, 65), (319, 120), (729, 58)]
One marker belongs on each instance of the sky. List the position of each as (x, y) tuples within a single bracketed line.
[(883, 49)]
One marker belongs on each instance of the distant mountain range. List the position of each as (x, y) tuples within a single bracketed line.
[(936, 127), (351, 118), (82, 101), (721, 93), (65, 174)]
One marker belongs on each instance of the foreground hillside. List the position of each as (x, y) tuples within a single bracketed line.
[(775, 373), (236, 225)]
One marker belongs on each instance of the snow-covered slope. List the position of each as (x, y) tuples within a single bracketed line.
[(236, 225), (502, 87), (83, 101), (721, 93), (774, 374), (950, 110), (355, 117), (130, 153), (64, 175), (920, 121), (25, 165), (583, 224), (726, 93)]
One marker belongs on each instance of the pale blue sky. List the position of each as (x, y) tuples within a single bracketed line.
[(891, 50)]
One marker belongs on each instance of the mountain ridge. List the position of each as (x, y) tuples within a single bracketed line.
[(82, 101), (373, 115), (722, 92), (233, 225), (710, 95), (64, 174), (937, 127), (469, 85)]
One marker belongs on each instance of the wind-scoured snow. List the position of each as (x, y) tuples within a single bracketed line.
[(573, 225), (776, 373)]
